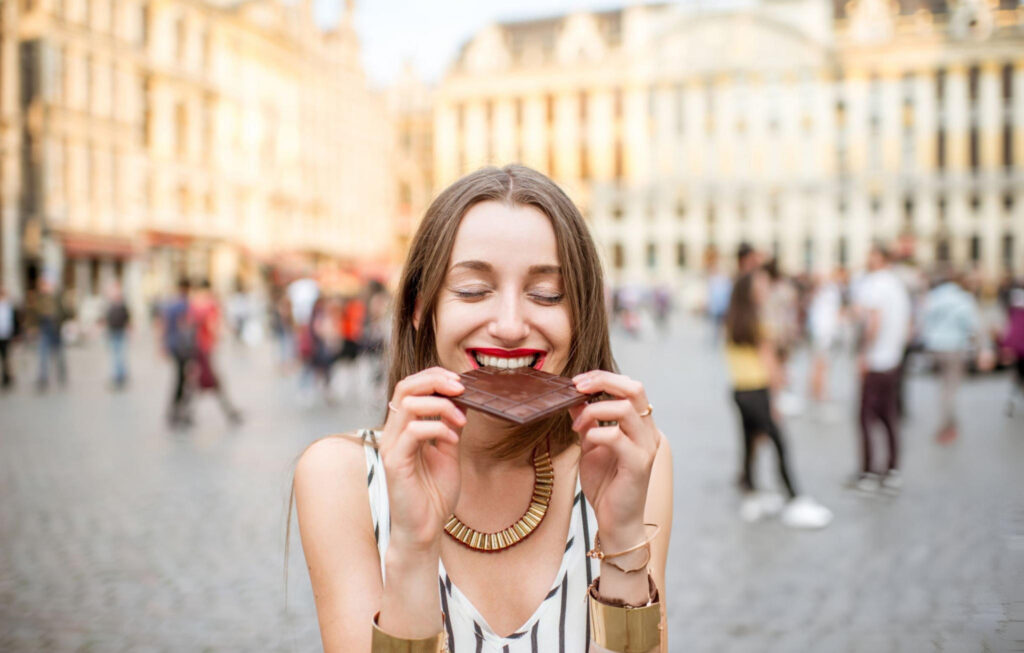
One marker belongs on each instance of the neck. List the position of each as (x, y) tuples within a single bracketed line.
[(481, 437)]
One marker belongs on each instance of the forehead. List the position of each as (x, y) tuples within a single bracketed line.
[(505, 236)]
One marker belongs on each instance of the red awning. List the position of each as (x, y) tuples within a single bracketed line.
[(78, 245)]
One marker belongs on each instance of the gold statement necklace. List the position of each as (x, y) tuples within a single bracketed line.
[(544, 480)]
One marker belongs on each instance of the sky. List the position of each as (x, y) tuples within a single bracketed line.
[(430, 32)]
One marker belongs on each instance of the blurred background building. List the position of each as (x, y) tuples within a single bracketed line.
[(804, 127), (145, 140)]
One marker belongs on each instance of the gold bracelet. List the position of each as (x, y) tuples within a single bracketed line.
[(384, 643), (599, 554), (640, 567), (622, 628)]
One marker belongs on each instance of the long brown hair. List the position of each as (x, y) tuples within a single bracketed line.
[(414, 349), (743, 319)]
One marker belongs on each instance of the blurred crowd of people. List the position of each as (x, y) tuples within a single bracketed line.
[(316, 328), (893, 316)]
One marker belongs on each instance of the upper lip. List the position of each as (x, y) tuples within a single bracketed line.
[(505, 353)]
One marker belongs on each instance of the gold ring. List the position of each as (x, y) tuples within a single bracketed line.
[(647, 413)]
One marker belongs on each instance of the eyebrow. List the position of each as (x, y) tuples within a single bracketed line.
[(483, 266)]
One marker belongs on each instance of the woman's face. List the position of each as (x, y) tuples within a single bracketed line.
[(502, 302)]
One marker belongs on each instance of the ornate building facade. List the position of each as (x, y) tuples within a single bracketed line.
[(806, 129), (164, 138)]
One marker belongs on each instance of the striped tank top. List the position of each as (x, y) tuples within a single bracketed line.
[(559, 625)]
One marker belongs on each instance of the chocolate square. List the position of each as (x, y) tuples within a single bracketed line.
[(522, 395)]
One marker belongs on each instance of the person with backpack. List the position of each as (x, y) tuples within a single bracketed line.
[(179, 346), (117, 320)]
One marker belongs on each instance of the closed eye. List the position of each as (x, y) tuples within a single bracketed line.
[(547, 298)]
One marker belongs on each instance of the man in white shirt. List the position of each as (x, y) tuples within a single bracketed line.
[(883, 306)]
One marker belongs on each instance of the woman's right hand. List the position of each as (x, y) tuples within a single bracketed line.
[(420, 457)]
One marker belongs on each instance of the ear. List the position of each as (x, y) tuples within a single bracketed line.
[(417, 313)]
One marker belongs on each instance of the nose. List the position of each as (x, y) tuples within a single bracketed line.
[(508, 326)]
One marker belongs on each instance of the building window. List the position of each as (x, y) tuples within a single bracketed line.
[(680, 255), (680, 98), (908, 209), (550, 110), (652, 256), (876, 204), (843, 252), (619, 163), (617, 212), (1008, 145), (1008, 202), (1007, 75), (618, 256), (940, 85), (143, 28), (940, 149), (680, 210), (973, 147), (180, 39), (975, 248), (1008, 251), (741, 212), (975, 202), (181, 128), (941, 209), (942, 251), (711, 215), (808, 254)]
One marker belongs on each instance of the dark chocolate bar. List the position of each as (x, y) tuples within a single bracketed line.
[(521, 395)]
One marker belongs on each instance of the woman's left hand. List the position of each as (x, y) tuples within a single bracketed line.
[(615, 466)]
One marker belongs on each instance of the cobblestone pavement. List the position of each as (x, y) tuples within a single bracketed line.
[(118, 534)]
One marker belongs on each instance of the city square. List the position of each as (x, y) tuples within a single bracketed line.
[(118, 533)]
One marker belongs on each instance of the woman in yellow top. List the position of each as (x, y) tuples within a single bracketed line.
[(755, 373)]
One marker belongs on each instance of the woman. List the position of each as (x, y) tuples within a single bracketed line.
[(755, 373), (502, 271)]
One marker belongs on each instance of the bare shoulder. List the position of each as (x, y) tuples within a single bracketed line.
[(336, 528), (330, 460)]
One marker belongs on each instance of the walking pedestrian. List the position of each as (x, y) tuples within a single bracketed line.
[(950, 322), (179, 343), (719, 289), (1012, 342), (883, 306), (781, 317), (8, 329), (117, 320), (204, 315), (823, 322), (755, 374), (47, 314)]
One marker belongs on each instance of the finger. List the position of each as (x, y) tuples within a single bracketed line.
[(616, 385), (434, 380), (415, 434), (620, 411), (608, 436), (413, 407)]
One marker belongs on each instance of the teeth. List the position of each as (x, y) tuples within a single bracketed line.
[(504, 363)]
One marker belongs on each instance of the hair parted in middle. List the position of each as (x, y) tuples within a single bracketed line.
[(426, 267)]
